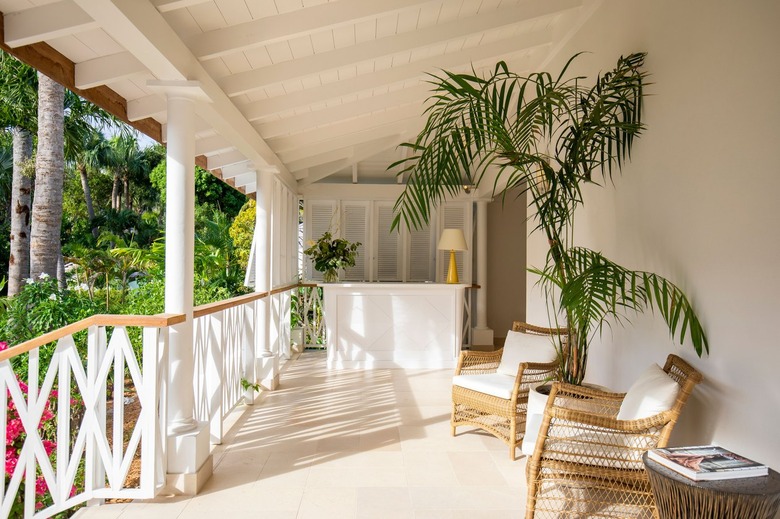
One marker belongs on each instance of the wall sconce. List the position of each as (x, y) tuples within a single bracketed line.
[(452, 240)]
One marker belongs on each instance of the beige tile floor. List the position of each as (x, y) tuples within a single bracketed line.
[(349, 444)]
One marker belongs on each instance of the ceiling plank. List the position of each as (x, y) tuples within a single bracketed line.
[(234, 170), (255, 79), (345, 111), (329, 156), (46, 22), (266, 107), (103, 70), (292, 24), (211, 145)]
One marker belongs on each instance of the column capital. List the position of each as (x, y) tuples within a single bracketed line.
[(190, 90)]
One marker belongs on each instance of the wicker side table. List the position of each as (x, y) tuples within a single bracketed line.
[(678, 497)]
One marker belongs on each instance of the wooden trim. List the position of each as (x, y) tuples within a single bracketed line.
[(213, 308), (152, 321)]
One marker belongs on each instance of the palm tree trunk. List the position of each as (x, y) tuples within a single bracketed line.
[(126, 192), (115, 194), (19, 261), (49, 175), (88, 197)]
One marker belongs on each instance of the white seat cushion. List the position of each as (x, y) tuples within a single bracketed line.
[(654, 392), (494, 384), (523, 347)]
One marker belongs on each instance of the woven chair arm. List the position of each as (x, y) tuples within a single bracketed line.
[(478, 362)]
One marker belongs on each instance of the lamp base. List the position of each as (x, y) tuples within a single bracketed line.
[(452, 271)]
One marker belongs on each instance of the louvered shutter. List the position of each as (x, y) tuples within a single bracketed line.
[(354, 228), (318, 219), (455, 216), (421, 255), (388, 244)]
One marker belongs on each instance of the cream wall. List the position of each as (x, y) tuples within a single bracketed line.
[(698, 204)]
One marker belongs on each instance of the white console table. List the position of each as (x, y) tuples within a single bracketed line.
[(393, 325)]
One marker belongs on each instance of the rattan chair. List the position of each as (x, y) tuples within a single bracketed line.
[(587, 463), (503, 418)]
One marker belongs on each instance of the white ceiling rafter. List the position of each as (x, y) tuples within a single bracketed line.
[(147, 106), (46, 22), (171, 5), (398, 128), (345, 128), (265, 107), (107, 69), (289, 25), (211, 145), (348, 110), (250, 80), (235, 170), (228, 158), (141, 29), (361, 152), (300, 166)]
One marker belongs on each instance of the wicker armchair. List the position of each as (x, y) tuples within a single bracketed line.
[(504, 418), (587, 463)]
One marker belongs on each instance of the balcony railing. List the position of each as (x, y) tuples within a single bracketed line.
[(62, 459)]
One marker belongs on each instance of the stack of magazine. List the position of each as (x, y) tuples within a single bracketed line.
[(707, 463)]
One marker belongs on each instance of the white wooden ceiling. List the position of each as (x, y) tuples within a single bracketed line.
[(322, 90)]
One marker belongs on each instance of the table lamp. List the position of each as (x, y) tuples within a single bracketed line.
[(452, 240)]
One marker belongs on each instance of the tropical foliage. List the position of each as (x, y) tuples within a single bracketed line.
[(332, 254), (547, 136)]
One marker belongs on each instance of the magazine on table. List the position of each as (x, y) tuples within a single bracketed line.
[(707, 463)]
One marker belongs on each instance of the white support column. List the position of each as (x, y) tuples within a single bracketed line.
[(189, 461), (268, 361), (482, 335)]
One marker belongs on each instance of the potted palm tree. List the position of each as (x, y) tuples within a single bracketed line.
[(547, 136)]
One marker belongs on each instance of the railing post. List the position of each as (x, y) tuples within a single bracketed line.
[(215, 373), (249, 314), (96, 351), (268, 362)]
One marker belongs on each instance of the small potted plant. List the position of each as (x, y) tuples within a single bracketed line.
[(330, 255)]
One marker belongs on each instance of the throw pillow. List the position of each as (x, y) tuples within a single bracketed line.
[(522, 347), (654, 392)]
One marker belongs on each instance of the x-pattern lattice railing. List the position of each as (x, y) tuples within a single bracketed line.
[(49, 454)]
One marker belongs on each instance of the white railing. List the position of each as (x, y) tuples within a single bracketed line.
[(310, 302), (226, 349), (49, 448)]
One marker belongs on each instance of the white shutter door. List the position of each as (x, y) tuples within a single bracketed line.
[(388, 244), (354, 228), (318, 217), (455, 216), (421, 253)]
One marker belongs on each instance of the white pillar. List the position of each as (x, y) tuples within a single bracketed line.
[(179, 259), (482, 335), (268, 362), (189, 460)]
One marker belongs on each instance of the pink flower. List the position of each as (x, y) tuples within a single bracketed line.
[(11, 459), (24, 387), (47, 415), (40, 486), (13, 429), (49, 446), (38, 505), (3, 345), (73, 491)]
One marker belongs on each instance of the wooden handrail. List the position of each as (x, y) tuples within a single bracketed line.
[(154, 321), (212, 308)]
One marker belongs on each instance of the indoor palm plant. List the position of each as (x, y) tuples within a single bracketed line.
[(548, 136), (331, 254)]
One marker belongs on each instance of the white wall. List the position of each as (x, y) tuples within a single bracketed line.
[(697, 204)]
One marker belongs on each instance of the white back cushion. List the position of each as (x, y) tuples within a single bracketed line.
[(523, 347), (654, 392), (494, 384)]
